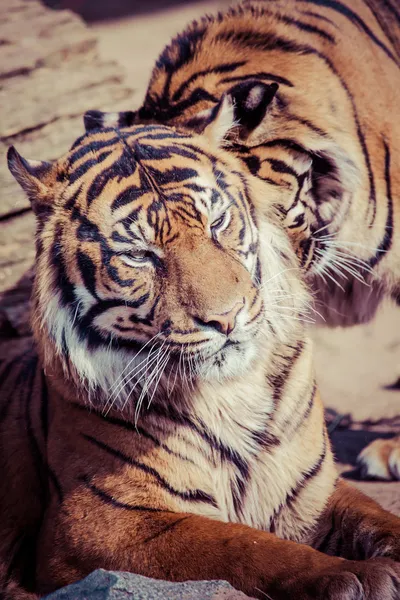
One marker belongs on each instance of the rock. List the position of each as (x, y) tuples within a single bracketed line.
[(110, 585)]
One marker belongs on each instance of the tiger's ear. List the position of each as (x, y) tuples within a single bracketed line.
[(251, 100), (35, 177), (241, 110), (95, 119)]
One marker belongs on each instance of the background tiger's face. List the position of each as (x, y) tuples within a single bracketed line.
[(148, 254)]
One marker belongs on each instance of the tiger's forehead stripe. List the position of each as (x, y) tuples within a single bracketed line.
[(147, 182), (122, 159), (131, 146)]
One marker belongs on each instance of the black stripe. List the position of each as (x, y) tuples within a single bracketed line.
[(61, 280), (248, 38), (238, 491), (20, 380), (285, 143), (91, 147), (129, 195), (310, 13), (44, 406), (85, 136), (117, 237), (278, 381), (98, 309), (189, 495), (123, 166), (356, 20), (303, 414), (261, 75), (166, 152), (270, 181), (305, 478), (223, 68), (44, 472), (181, 49), (279, 166), (86, 166), (12, 554), (386, 243), (305, 27), (37, 456), (166, 134), (395, 10), (54, 479), (324, 546), (308, 124), (169, 112), (107, 499), (167, 528), (385, 14), (6, 373), (174, 175), (372, 193), (87, 270), (294, 493), (132, 428), (226, 453)]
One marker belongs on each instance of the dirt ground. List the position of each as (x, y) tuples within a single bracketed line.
[(353, 365)]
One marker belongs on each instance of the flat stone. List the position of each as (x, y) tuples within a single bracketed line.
[(111, 585)]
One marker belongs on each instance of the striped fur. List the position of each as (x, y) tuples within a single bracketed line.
[(332, 68), (338, 110), (156, 426)]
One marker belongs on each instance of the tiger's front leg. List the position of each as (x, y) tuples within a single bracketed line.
[(98, 531), (355, 527)]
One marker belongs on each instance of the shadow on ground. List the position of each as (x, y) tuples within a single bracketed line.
[(102, 10)]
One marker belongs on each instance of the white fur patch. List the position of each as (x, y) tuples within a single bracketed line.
[(223, 123), (254, 98), (110, 119)]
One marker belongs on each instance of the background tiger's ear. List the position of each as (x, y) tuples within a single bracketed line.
[(35, 177), (251, 100), (240, 110), (95, 119)]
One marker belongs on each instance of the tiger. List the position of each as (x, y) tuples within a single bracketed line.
[(321, 80), (166, 421)]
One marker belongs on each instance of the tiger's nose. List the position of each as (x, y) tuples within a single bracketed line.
[(225, 322)]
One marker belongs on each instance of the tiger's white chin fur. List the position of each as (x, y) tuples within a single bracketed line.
[(233, 361)]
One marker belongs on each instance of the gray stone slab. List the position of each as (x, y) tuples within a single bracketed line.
[(110, 585)]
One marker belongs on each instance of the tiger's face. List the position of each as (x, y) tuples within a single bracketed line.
[(148, 253)]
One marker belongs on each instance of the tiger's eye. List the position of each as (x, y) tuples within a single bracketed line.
[(138, 254), (135, 257), (218, 222)]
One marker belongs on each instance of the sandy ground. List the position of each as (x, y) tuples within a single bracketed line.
[(353, 365)]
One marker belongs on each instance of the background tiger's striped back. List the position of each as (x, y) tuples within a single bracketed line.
[(337, 67)]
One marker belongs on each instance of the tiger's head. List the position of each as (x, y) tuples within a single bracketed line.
[(317, 176), (153, 251)]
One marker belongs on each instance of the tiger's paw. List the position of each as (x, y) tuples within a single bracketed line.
[(380, 460), (374, 579)]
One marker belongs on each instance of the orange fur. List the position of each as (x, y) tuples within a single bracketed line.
[(334, 117), (227, 466)]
